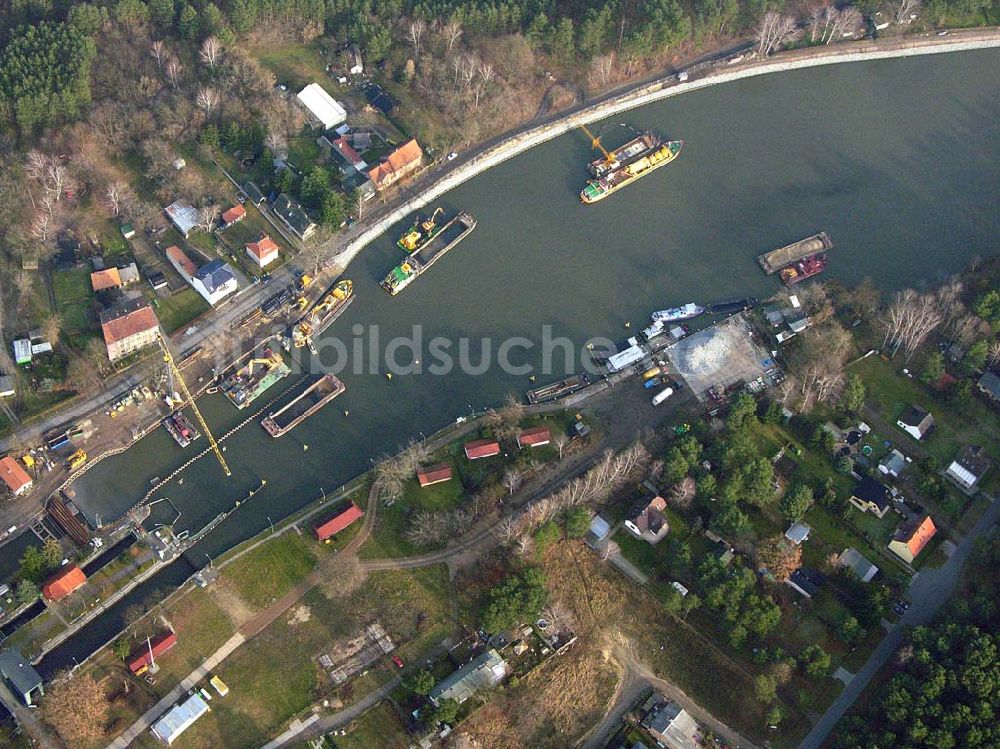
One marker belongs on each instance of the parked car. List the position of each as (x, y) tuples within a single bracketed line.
[(397, 661)]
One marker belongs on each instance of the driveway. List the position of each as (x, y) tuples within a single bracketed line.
[(928, 592)]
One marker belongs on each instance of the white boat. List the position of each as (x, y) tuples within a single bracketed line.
[(674, 314), (662, 395)]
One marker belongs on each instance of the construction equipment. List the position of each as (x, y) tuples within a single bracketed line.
[(76, 460), (304, 282), (268, 361), (179, 380), (595, 142), (428, 225), (322, 314)]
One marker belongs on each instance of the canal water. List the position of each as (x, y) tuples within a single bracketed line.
[(899, 160)]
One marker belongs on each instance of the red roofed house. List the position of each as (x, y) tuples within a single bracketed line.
[(348, 154), (398, 164), (481, 449), (912, 537), (648, 522), (233, 215), (128, 327), (108, 278), (534, 437), (263, 252), (338, 522), (434, 474), (181, 262), (64, 582), (159, 645), (16, 478)]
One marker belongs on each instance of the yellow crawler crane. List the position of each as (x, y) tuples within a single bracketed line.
[(595, 142), (179, 380)]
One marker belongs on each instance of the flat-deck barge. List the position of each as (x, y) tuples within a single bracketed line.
[(775, 260), (450, 235), (557, 390), (732, 306), (311, 400)]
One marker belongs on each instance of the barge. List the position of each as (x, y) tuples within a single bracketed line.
[(773, 261), (803, 269), (181, 429), (676, 314), (245, 384), (645, 143), (311, 400), (422, 232), (321, 316), (733, 306), (618, 176), (557, 390), (450, 235)]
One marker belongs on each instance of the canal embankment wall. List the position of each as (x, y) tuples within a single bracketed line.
[(702, 75)]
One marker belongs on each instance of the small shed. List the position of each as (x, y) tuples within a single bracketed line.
[(330, 528), (481, 449), (22, 351), (534, 437), (154, 648), (434, 474), (7, 388), (797, 533)]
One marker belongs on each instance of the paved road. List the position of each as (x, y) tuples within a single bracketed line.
[(930, 590)]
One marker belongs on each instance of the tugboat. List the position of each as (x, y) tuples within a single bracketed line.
[(422, 232), (803, 269), (675, 314), (429, 253), (182, 430)]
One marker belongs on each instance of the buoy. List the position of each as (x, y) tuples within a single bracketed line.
[(347, 413), (628, 325), (388, 375), (305, 447), (531, 379)]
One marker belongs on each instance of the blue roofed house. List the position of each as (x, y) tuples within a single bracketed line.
[(21, 675), (215, 281)]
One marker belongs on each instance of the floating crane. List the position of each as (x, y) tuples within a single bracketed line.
[(595, 142), (179, 380)]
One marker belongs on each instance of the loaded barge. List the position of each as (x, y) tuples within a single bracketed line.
[(422, 232), (558, 390), (311, 400), (245, 384), (324, 313), (774, 261), (646, 153), (803, 269), (182, 430), (450, 235)]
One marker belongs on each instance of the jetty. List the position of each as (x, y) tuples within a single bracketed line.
[(773, 261)]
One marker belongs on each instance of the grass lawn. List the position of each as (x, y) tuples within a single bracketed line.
[(75, 316), (645, 556), (71, 285), (293, 64), (976, 508), (893, 392), (379, 728), (272, 569), (177, 311), (831, 536)]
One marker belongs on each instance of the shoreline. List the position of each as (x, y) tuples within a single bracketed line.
[(722, 71)]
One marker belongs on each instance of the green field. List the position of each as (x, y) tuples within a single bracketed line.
[(272, 569), (178, 310)]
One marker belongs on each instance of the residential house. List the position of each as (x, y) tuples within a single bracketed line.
[(669, 723), (233, 215), (871, 496), (263, 252), (969, 467), (348, 158), (916, 422), (183, 216), (533, 437), (806, 582), (16, 478), (650, 523), (485, 670), (797, 533), (989, 385), (323, 109), (856, 563), (7, 386), (215, 281), (129, 274), (912, 537), (402, 162), (182, 263), (434, 474), (21, 676), (294, 217), (892, 464), (481, 449), (103, 280), (64, 582), (128, 327), (379, 99), (254, 194), (344, 517)]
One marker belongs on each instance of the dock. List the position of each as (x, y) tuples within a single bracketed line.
[(773, 261), (311, 400)]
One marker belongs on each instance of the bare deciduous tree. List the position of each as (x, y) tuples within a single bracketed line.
[(909, 320), (415, 35), (512, 480), (41, 226), (207, 100), (159, 51), (682, 493), (905, 9), (211, 51), (117, 195), (559, 442), (207, 216), (452, 33), (773, 30), (173, 71), (601, 69), (993, 354)]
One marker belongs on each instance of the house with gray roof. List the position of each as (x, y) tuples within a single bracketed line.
[(853, 560), (183, 216), (18, 672), (215, 281), (968, 467), (294, 217), (893, 464), (483, 671), (670, 724), (916, 422), (989, 385)]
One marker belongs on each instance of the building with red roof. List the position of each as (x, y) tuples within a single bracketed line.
[(264, 251), (109, 278), (181, 262), (403, 161), (64, 582), (911, 538), (233, 215), (142, 657), (16, 478), (128, 327), (330, 528), (534, 437), (481, 449), (434, 474)]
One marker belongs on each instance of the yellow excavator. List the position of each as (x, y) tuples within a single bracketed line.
[(302, 332), (76, 460), (420, 232), (270, 361)]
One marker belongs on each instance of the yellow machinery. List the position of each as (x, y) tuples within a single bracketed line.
[(270, 362), (429, 224), (304, 282), (410, 240), (77, 459), (595, 142), (179, 380), (301, 303), (302, 332)]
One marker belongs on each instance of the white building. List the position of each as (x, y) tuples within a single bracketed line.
[(215, 281), (321, 106), (183, 216), (263, 252), (180, 718)]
